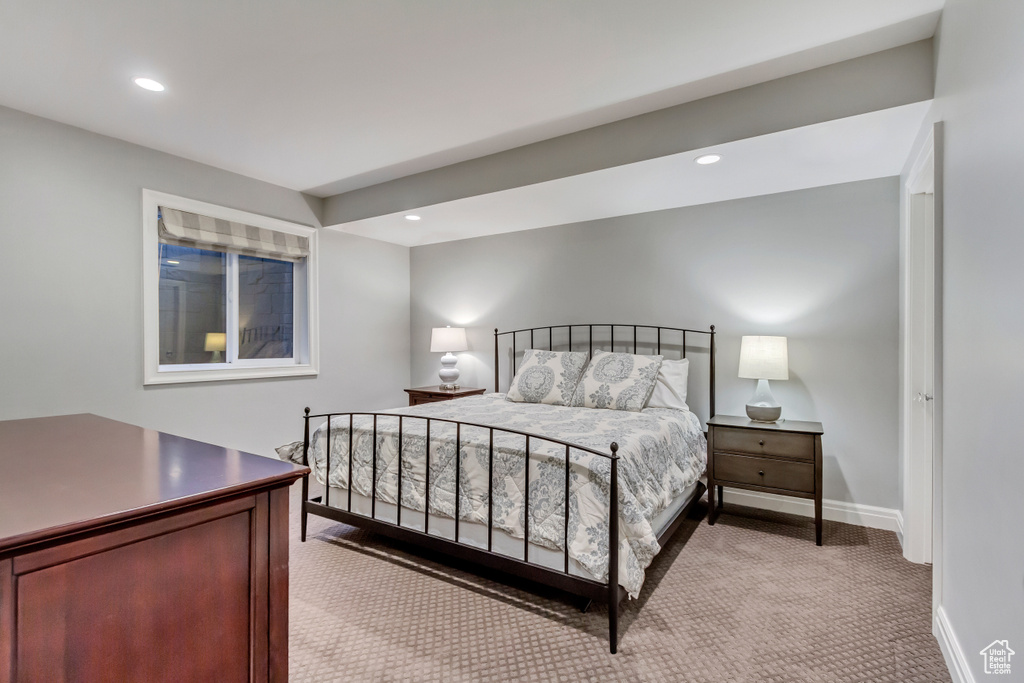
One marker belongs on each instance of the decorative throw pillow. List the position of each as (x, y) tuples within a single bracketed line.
[(290, 452), (670, 389), (617, 381), (547, 377)]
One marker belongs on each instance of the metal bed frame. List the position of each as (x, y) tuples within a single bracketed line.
[(562, 580)]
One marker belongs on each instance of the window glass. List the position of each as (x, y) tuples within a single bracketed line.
[(265, 308), (238, 301), (193, 292)]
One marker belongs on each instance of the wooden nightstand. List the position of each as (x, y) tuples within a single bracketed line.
[(435, 393), (782, 457)]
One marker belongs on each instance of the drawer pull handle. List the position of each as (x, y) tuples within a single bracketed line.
[(761, 472), (761, 442)]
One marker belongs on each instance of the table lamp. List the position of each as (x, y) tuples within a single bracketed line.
[(216, 342), (446, 340), (764, 358)]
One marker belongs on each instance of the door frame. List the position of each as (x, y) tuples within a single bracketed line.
[(938, 153)]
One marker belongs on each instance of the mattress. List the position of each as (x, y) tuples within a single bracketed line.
[(662, 454)]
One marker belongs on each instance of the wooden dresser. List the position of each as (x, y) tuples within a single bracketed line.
[(775, 457), (435, 393), (127, 554)]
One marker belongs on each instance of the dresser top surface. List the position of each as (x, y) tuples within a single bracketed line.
[(66, 474), (781, 426)]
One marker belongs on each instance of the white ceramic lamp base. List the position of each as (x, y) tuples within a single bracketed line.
[(449, 374), (763, 407)]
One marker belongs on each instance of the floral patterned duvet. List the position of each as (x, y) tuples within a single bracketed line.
[(662, 452)]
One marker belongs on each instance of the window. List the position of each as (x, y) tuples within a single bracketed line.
[(228, 294)]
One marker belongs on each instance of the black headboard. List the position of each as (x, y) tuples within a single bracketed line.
[(656, 338)]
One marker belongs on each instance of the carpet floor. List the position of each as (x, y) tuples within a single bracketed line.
[(749, 599)]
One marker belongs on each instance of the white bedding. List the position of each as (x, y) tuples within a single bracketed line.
[(662, 455)]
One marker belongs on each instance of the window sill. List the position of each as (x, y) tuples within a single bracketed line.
[(229, 374)]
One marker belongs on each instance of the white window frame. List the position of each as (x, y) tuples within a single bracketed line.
[(306, 352)]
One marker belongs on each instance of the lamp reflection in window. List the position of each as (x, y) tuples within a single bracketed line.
[(216, 342)]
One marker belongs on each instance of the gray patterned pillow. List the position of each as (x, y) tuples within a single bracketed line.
[(291, 452), (617, 381), (547, 377)]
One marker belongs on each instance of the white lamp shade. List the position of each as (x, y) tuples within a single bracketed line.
[(764, 358), (447, 339), (216, 341)]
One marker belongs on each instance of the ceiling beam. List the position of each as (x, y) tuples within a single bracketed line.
[(882, 80)]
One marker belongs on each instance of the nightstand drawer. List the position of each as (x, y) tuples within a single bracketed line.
[(764, 442), (419, 400), (775, 474)]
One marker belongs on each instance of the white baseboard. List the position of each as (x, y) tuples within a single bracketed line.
[(899, 527), (834, 510), (956, 662)]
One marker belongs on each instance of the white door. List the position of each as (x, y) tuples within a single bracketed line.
[(919, 378)]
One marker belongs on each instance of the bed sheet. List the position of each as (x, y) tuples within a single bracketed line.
[(662, 453)]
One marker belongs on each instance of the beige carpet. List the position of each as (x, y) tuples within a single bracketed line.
[(749, 599)]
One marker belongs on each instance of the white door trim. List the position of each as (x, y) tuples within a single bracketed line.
[(938, 155)]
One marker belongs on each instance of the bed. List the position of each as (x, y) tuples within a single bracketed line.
[(525, 487)]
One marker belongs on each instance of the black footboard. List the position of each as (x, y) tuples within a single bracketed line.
[(559, 579)]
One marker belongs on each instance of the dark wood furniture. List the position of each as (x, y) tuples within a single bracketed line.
[(127, 554), (435, 393), (780, 457), (658, 339)]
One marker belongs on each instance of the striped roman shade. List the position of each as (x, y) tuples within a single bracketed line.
[(186, 229)]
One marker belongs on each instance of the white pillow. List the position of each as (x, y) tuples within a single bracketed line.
[(670, 386)]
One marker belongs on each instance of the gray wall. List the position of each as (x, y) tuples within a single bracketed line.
[(71, 294), (980, 95), (818, 266)]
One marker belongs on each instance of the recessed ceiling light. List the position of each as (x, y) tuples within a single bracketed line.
[(412, 217), (708, 159), (148, 84)]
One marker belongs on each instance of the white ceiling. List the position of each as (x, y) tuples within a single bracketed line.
[(330, 95), (873, 145)]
